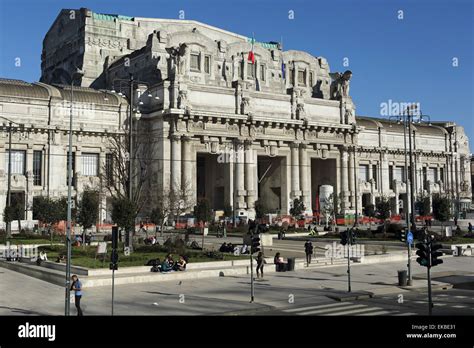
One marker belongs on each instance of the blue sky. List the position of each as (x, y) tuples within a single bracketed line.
[(407, 60)]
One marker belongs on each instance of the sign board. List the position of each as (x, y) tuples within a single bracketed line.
[(102, 248), (409, 237)]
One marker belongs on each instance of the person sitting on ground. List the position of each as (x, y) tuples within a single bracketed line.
[(223, 248), (181, 264), (167, 265), (230, 248), (61, 258), (278, 259), (279, 262), (244, 249), (42, 257)]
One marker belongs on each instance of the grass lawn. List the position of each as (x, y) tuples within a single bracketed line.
[(25, 240), (85, 256), (458, 240)]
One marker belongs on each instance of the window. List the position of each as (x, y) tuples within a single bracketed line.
[(302, 77), (109, 169), (390, 177), (262, 72), (292, 76), (431, 175), (37, 167), (18, 161), (90, 163), (207, 64), (399, 174), (73, 168), (311, 79), (374, 174), (364, 172), (195, 62), (250, 71)]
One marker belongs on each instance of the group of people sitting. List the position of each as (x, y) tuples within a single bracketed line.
[(236, 249), (151, 241), (168, 264)]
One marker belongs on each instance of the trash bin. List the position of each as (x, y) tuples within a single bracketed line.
[(402, 278), (291, 264)]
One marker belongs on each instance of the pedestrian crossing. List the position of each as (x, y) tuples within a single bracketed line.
[(344, 308)]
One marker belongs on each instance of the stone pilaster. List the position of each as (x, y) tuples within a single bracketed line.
[(188, 181), (175, 182)]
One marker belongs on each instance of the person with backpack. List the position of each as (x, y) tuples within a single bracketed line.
[(308, 249)]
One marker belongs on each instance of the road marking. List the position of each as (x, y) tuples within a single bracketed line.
[(459, 306), (459, 296), (420, 301), (356, 311), (314, 307), (442, 295), (327, 310), (404, 314), (440, 304), (376, 313)]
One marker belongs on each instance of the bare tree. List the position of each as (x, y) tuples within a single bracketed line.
[(170, 204), (115, 176)]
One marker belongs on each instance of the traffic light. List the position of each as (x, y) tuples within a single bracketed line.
[(403, 236), (343, 237), (114, 237), (114, 260), (435, 254), (255, 244), (423, 253), (353, 237)]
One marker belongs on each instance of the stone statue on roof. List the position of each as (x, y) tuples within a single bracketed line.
[(340, 84)]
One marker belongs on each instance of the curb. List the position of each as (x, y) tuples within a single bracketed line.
[(352, 296)]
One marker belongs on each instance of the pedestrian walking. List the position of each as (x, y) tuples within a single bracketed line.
[(308, 249), (77, 287), (260, 264), (469, 228)]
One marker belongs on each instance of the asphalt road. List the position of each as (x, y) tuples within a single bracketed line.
[(301, 292)]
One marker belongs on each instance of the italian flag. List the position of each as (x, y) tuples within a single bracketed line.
[(251, 57)]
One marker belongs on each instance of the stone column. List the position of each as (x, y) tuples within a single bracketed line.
[(29, 184), (175, 182), (397, 197), (239, 177), (344, 178), (295, 171), (385, 175), (352, 182), (305, 175), (250, 179)]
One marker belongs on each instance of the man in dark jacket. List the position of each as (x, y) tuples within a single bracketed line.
[(308, 249)]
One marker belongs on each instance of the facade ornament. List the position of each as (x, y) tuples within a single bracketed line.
[(245, 105)]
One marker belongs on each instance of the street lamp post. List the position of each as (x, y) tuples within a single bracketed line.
[(69, 199)]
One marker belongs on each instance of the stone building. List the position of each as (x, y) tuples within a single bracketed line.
[(230, 130)]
